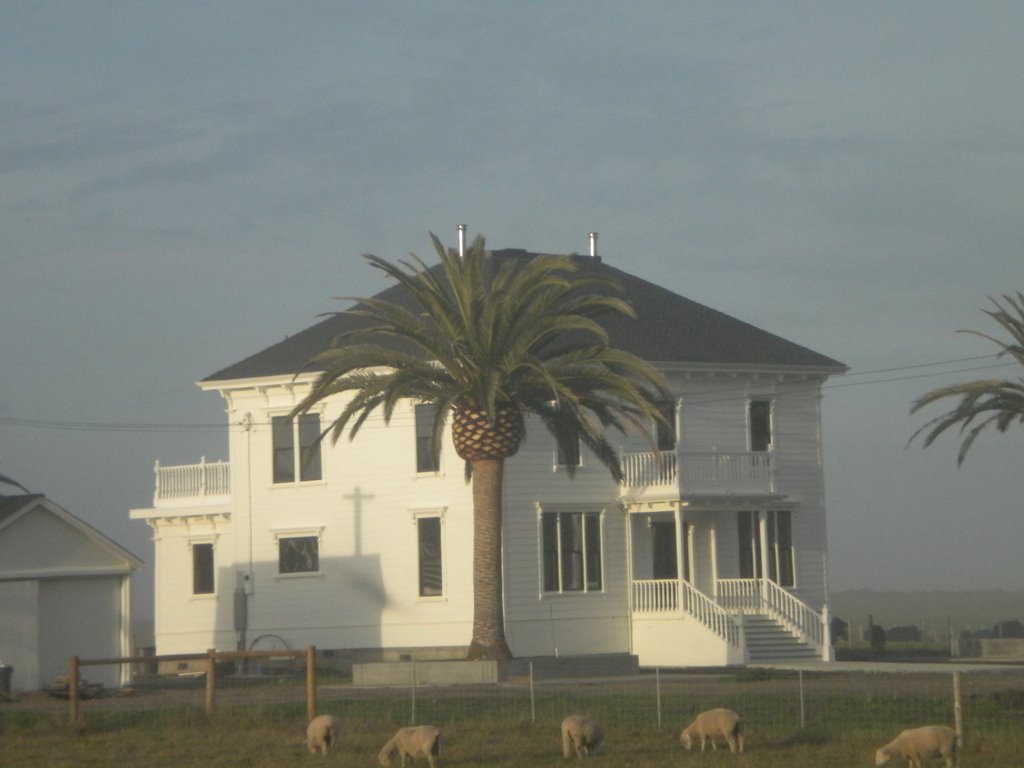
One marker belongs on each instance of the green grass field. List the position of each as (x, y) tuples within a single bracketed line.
[(845, 724)]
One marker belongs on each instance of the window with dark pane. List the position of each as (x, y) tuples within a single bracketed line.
[(202, 569), (290, 462), (299, 554), (666, 435), (431, 577), (571, 545), (427, 459), (760, 425)]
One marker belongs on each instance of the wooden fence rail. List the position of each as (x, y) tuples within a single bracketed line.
[(211, 657)]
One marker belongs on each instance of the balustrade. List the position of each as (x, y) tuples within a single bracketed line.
[(192, 481), (699, 471)]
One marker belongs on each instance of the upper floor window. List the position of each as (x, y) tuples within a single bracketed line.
[(759, 415), (571, 547), (298, 554), (666, 435), (202, 569), (568, 456), (427, 459), (296, 450), (428, 533)]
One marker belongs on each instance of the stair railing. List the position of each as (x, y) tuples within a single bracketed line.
[(793, 612), (710, 614)]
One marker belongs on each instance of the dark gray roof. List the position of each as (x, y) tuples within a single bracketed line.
[(668, 329)]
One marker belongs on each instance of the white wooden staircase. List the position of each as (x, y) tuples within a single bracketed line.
[(768, 641)]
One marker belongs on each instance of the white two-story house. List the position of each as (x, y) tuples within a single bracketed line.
[(711, 552)]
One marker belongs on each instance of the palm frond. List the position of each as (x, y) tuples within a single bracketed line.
[(984, 403)]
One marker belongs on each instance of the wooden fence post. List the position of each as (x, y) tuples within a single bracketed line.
[(958, 710), (73, 688), (311, 682), (211, 676)]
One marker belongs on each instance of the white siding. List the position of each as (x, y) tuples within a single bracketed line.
[(19, 640), (365, 594)]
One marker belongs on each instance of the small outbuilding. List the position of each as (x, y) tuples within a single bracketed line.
[(65, 590)]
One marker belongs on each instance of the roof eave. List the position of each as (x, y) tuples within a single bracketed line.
[(255, 382), (817, 371)]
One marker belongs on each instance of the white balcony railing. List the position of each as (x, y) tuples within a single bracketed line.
[(192, 481), (699, 471)]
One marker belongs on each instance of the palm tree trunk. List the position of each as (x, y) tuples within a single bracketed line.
[(488, 615)]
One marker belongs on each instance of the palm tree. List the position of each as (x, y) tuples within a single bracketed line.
[(987, 402), (489, 341)]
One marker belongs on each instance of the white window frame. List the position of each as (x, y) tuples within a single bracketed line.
[(300, 533), (296, 451), (437, 513), (571, 509), (771, 423), (191, 542), (559, 466), (676, 405), (416, 436)]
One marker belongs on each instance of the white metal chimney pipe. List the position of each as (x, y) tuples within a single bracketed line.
[(462, 240), (593, 245)]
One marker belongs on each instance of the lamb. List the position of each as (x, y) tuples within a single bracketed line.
[(712, 724), (580, 735), (919, 744), (321, 733), (413, 741)]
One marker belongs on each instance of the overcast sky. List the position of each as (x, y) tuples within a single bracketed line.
[(183, 184)]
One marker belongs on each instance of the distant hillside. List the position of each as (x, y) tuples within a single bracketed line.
[(966, 610)]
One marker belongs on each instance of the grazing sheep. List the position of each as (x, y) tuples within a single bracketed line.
[(321, 733), (711, 725), (919, 744), (580, 735), (413, 741)]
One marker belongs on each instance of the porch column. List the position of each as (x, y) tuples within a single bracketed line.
[(630, 576), (125, 643), (762, 524), (677, 513)]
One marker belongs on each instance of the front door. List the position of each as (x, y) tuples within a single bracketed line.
[(664, 542)]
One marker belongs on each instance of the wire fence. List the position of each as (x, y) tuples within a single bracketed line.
[(774, 704)]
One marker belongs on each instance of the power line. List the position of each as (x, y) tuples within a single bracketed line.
[(108, 426), (105, 426)]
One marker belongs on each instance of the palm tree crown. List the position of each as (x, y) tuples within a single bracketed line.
[(521, 336), (987, 402), (489, 342)]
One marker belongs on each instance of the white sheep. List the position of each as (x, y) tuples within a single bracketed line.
[(413, 741), (321, 733), (580, 735), (711, 725), (919, 744)]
